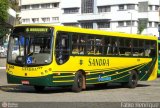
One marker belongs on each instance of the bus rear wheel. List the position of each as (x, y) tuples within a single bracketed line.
[(79, 82), (133, 79), (39, 88)]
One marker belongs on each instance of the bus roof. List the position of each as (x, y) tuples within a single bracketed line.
[(91, 31)]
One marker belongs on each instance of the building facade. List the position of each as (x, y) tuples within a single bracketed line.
[(130, 16), (40, 11)]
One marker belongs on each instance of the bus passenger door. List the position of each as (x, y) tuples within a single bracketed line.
[(62, 48)]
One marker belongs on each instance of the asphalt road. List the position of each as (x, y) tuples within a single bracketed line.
[(148, 91)]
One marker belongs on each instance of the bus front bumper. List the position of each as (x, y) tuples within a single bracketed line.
[(41, 81)]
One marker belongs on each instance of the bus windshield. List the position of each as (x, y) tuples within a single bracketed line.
[(30, 46)]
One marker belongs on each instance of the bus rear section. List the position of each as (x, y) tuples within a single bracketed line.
[(158, 57)]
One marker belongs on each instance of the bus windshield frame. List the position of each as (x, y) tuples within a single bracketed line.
[(30, 46)]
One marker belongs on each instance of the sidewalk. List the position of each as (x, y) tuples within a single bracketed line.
[(2, 62)]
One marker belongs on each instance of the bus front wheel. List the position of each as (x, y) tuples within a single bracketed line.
[(133, 79), (39, 88), (79, 81)]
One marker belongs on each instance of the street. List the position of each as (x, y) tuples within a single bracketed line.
[(145, 92)]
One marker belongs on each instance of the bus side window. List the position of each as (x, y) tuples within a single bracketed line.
[(74, 44), (115, 48), (141, 48), (107, 48), (98, 46), (78, 44), (121, 46), (90, 45), (153, 49), (147, 48), (62, 47)]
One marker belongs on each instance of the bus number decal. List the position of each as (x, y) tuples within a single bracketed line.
[(98, 62), (31, 69), (10, 66)]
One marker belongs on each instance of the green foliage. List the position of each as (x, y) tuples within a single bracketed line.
[(14, 4), (142, 24), (4, 5), (141, 28), (3, 31)]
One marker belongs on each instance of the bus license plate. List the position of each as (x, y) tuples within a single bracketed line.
[(25, 82)]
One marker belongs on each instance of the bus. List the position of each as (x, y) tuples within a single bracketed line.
[(158, 57), (59, 56)]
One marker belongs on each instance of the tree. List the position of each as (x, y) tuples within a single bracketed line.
[(142, 24), (4, 5), (14, 4)]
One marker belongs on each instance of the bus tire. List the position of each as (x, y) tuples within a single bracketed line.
[(133, 79), (39, 88), (79, 82)]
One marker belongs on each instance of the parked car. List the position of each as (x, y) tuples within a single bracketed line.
[(3, 51)]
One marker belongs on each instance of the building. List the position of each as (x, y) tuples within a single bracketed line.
[(40, 11), (130, 16)]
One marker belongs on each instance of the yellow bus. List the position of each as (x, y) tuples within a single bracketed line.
[(43, 55)]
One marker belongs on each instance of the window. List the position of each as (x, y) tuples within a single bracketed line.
[(87, 25), (35, 20), (62, 47), (47, 19), (112, 46), (156, 24), (150, 24), (47, 5), (55, 19), (36, 45), (141, 47), (121, 7), (86, 44), (71, 10), (71, 24), (104, 9), (150, 8), (153, 47), (36, 6), (55, 5), (156, 7), (95, 45), (78, 44), (87, 6), (128, 23), (25, 7), (130, 6), (143, 6), (103, 24), (121, 23), (26, 20), (125, 47)]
